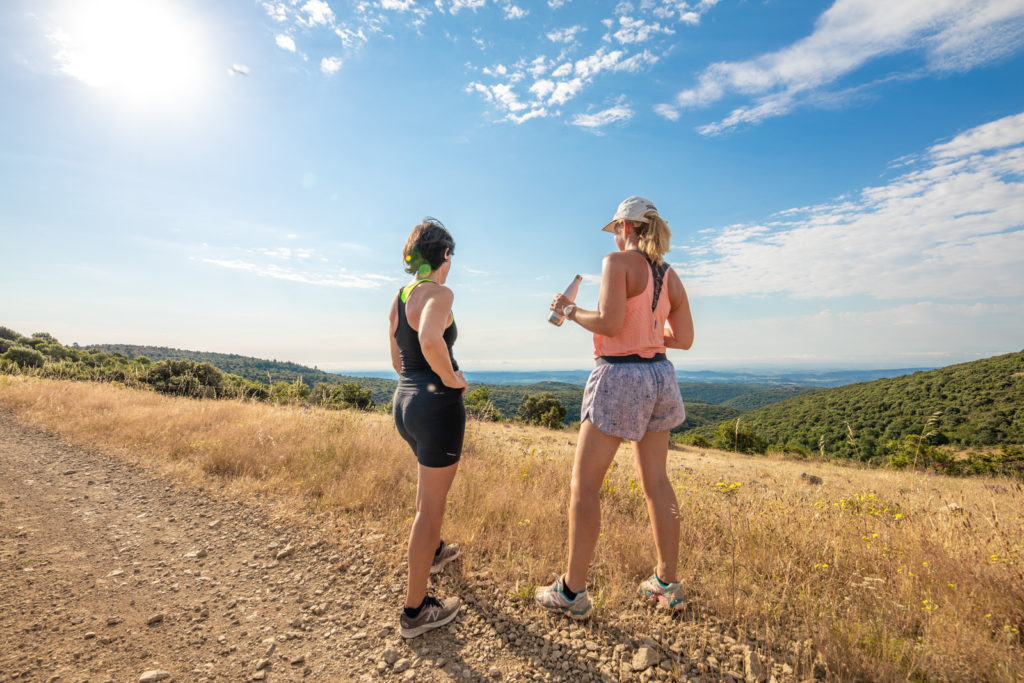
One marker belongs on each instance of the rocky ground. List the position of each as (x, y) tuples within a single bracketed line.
[(111, 572)]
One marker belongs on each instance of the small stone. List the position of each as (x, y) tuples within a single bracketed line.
[(390, 656), (114, 621), (644, 658), (153, 675), (271, 646), (214, 524), (590, 645), (401, 665), (754, 668), (155, 619), (287, 551), (262, 664), (259, 676), (90, 635), (295, 661), (494, 672)]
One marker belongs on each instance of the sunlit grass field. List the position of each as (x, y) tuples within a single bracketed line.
[(880, 575)]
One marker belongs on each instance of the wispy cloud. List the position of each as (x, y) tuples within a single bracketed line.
[(951, 36), (339, 279), (616, 114), (951, 227)]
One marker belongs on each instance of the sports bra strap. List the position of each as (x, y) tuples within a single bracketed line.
[(407, 290), (658, 273)]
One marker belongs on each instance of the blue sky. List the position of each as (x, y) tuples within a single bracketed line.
[(844, 182)]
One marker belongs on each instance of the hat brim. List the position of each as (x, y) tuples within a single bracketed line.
[(611, 226)]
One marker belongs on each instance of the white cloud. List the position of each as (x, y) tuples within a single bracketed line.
[(330, 65), (318, 12), (667, 111), (239, 69), (555, 4), (285, 42), (302, 276), (616, 114), (951, 227), (565, 35), (638, 30), (457, 5), (398, 5), (953, 35), (514, 12), (278, 11)]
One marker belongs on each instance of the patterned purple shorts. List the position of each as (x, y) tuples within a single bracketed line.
[(628, 400)]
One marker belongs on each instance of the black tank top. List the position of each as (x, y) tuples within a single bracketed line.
[(414, 363)]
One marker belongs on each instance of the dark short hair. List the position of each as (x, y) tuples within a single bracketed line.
[(426, 245)]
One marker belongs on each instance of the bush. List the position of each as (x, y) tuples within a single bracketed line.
[(355, 395), (479, 405), (734, 436), (9, 334), (24, 357), (544, 409)]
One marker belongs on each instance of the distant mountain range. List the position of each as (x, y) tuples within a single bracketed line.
[(826, 378)]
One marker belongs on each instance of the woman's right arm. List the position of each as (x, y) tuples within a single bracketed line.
[(680, 321), (610, 315), (396, 356), (433, 320)]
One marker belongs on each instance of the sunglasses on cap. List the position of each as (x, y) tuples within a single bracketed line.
[(433, 221)]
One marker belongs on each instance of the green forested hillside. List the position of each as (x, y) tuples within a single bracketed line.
[(974, 404), (252, 369)]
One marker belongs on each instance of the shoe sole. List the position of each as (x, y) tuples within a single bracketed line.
[(566, 611), (423, 628), (436, 568), (663, 601)]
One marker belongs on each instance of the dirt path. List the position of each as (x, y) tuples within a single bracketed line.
[(109, 572)]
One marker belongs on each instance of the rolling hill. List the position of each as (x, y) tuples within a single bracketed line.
[(969, 405)]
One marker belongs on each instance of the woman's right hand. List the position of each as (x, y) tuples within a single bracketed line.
[(456, 381)]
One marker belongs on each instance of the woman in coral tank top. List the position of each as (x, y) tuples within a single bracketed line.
[(631, 394)]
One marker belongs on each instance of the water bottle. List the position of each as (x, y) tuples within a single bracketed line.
[(570, 293)]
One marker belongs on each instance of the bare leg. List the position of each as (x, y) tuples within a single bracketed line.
[(651, 456), (594, 454), (431, 497)]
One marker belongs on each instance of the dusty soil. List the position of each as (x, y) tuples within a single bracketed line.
[(112, 572)]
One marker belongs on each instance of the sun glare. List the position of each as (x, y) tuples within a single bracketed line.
[(145, 52)]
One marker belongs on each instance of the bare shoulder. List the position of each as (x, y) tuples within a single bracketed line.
[(441, 294)]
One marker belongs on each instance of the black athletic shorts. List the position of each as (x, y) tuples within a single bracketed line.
[(432, 418)]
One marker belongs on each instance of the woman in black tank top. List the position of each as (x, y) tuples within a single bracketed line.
[(428, 412)]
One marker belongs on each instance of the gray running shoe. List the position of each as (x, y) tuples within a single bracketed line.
[(668, 596), (447, 553), (554, 598), (433, 614)]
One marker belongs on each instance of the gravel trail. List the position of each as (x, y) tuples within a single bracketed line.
[(111, 572)]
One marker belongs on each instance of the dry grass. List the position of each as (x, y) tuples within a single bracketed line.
[(884, 575)]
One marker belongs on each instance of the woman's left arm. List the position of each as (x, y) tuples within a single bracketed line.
[(680, 321)]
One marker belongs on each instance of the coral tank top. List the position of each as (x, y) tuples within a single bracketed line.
[(643, 331)]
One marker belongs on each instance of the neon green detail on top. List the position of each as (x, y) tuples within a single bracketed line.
[(407, 290)]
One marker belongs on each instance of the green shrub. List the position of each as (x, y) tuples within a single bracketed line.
[(544, 409), (25, 357)]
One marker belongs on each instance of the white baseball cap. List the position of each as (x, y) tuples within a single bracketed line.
[(631, 209)]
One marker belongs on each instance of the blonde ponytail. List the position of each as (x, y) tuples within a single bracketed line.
[(653, 237)]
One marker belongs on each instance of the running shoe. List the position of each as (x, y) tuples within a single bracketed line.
[(445, 554), (553, 597), (433, 614), (668, 595)]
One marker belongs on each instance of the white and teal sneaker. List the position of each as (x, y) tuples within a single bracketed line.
[(668, 595), (553, 597)]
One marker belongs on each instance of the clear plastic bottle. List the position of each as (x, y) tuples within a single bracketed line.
[(570, 293)]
